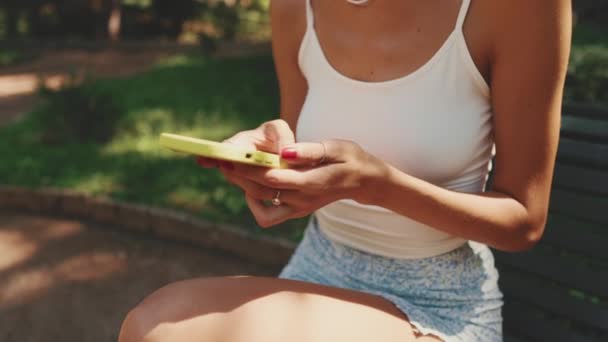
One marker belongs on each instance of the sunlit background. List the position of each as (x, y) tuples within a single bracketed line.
[(86, 87)]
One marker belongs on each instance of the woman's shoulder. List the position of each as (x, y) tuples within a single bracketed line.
[(518, 29), (519, 21), (292, 12), (288, 5), (288, 20)]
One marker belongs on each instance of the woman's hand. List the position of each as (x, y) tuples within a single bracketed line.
[(319, 173), (270, 137)]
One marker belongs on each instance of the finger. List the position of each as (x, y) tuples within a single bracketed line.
[(273, 178), (294, 198), (279, 135), (207, 162), (246, 139), (251, 188), (329, 151), (308, 181), (254, 189), (268, 216)]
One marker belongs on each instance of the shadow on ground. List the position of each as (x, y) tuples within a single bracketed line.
[(68, 280)]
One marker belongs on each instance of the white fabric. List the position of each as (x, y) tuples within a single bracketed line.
[(434, 124)]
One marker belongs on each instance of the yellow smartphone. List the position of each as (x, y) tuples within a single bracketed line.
[(221, 151)]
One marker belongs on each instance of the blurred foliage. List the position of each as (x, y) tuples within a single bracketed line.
[(82, 113), (203, 97), (192, 20), (588, 81), (12, 57), (588, 70)]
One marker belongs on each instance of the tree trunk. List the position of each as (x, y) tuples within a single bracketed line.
[(114, 21)]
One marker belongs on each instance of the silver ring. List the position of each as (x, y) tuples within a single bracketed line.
[(324, 152), (276, 201), (357, 2)]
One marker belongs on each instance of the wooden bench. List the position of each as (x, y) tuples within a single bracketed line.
[(558, 291)]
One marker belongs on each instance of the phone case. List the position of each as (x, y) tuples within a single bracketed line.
[(217, 150)]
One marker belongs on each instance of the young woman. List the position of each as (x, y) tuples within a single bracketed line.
[(398, 107)]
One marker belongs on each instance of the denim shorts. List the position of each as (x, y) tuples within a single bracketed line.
[(454, 296)]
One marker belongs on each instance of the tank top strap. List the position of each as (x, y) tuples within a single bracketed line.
[(309, 15), (462, 15)]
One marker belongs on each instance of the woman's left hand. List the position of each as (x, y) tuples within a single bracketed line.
[(319, 173)]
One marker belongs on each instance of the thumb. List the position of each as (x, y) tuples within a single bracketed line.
[(309, 153), (277, 134)]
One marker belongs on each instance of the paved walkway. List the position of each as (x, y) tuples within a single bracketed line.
[(68, 280)]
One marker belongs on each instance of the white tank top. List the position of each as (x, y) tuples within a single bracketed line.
[(434, 124)]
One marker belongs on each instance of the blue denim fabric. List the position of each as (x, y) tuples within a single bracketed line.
[(454, 295)]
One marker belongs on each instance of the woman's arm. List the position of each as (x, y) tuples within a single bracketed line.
[(288, 23), (530, 49), (530, 55)]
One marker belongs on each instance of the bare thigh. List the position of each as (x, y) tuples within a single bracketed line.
[(239, 309)]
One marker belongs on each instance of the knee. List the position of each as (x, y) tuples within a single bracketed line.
[(134, 328), (147, 317), (158, 314)]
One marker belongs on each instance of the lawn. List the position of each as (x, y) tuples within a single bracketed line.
[(198, 96), (193, 95)]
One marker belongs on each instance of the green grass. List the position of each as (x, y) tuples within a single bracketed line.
[(199, 96)]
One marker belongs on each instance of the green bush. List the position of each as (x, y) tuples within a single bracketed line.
[(588, 79), (78, 114), (10, 57)]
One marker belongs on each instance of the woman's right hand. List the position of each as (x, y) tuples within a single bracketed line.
[(270, 136)]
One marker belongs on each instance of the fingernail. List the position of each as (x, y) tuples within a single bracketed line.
[(289, 153)]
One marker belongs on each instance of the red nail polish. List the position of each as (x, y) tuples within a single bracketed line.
[(289, 153)]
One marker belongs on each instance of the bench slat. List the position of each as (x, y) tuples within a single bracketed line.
[(583, 206), (582, 153), (584, 129), (521, 320), (560, 269), (511, 338), (578, 223), (579, 178), (576, 236), (555, 300), (582, 110)]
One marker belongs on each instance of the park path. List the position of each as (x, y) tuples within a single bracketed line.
[(69, 280)]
